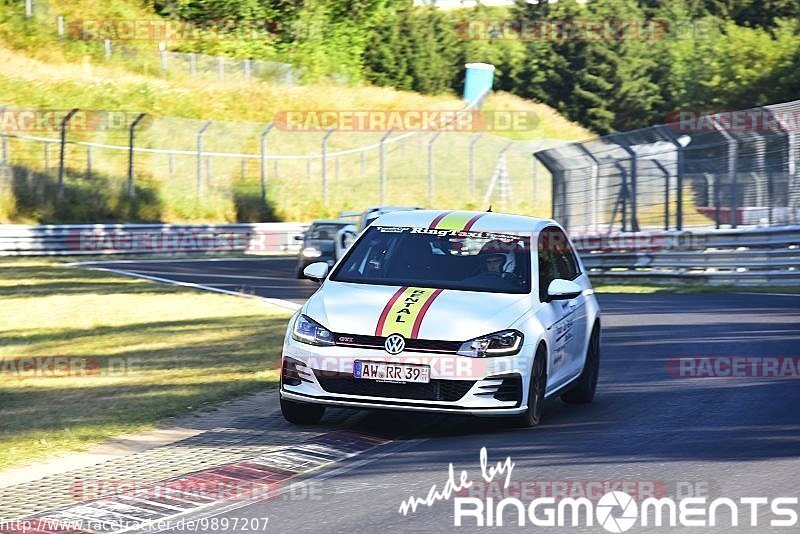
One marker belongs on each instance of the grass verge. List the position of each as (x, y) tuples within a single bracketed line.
[(134, 353)]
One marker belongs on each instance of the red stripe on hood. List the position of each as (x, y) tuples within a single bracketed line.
[(439, 218), (473, 221), (422, 312), (385, 312)]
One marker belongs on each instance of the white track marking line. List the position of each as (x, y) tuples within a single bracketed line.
[(285, 304)]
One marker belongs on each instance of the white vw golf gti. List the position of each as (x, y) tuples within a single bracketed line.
[(460, 312)]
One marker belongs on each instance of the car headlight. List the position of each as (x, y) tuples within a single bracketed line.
[(307, 330), (312, 252), (503, 343)]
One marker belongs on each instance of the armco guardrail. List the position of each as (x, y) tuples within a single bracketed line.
[(84, 239), (759, 256), (743, 257)]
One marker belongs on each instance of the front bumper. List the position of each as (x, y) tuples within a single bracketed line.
[(459, 384)]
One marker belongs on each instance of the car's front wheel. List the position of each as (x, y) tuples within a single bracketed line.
[(536, 390), (586, 385), (300, 413)]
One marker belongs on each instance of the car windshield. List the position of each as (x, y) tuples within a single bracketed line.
[(324, 231), (448, 259)]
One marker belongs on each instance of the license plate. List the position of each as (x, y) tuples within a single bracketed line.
[(391, 372)]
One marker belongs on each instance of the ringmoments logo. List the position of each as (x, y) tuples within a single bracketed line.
[(615, 511)]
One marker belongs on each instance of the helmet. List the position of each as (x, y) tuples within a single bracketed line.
[(501, 250)]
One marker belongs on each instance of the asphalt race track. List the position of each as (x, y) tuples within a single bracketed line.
[(715, 437)]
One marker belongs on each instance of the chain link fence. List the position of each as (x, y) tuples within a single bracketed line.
[(702, 170), (140, 168), (171, 64)]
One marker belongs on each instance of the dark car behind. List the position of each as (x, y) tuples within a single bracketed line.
[(319, 243)]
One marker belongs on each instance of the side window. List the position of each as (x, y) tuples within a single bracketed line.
[(556, 259)]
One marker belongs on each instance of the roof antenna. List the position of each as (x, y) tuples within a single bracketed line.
[(490, 209)]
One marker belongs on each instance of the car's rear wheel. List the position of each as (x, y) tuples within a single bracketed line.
[(586, 385), (536, 390), (300, 413)]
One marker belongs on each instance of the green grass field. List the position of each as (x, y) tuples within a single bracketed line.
[(37, 71), (151, 351)]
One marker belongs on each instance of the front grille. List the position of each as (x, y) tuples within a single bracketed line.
[(376, 342), (435, 390)]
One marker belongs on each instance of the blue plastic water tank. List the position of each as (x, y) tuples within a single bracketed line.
[(480, 77)]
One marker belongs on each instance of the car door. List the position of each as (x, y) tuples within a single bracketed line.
[(565, 320)]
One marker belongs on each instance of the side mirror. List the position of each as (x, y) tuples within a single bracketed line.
[(344, 239), (298, 237), (560, 289), (317, 271), (348, 238)]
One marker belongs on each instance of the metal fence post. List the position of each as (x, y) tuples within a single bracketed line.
[(475, 138), (633, 179), (383, 165), (622, 200), (28, 8), (791, 167), (595, 186), (248, 65), (761, 174), (62, 153), (430, 168), (162, 49), (47, 158), (60, 25), (665, 172), (5, 150), (200, 134), (679, 148), (263, 144), (131, 139), (88, 162), (325, 164), (107, 48), (733, 156)]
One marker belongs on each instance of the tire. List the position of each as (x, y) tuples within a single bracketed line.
[(536, 391), (300, 413), (583, 390)]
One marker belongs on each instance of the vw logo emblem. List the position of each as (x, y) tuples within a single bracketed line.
[(394, 344)]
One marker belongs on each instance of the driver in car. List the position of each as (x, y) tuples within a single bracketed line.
[(497, 268)]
